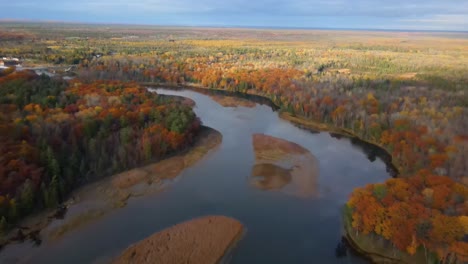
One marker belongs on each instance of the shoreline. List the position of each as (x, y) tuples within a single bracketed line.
[(111, 194), (296, 120), (340, 131), (316, 126), (373, 254)]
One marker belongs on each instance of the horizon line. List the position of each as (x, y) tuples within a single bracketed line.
[(63, 22)]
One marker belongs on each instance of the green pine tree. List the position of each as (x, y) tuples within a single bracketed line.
[(3, 225), (26, 200)]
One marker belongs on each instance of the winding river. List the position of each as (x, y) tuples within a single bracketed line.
[(288, 200)]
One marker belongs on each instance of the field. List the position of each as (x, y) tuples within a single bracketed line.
[(404, 91)]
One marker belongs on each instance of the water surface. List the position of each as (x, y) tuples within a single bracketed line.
[(281, 228)]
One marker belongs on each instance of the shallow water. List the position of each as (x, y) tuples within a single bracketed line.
[(281, 228)]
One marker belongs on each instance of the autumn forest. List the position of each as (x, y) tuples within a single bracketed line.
[(405, 92), (56, 135)]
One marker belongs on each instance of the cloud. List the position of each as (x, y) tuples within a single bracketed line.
[(436, 14), (440, 22)]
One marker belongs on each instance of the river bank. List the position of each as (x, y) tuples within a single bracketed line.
[(297, 120), (378, 250), (317, 126), (221, 184), (95, 200), (307, 123)]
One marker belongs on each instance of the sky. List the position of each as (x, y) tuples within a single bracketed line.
[(352, 14)]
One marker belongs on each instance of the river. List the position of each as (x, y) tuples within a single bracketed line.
[(284, 224)]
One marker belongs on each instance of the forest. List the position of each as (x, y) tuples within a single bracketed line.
[(405, 92), (56, 135)]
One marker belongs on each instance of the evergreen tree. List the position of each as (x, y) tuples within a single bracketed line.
[(26, 200), (3, 225), (13, 212), (52, 192)]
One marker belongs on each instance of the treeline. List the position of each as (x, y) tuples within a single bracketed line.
[(422, 127), (406, 93), (55, 135), (423, 214)]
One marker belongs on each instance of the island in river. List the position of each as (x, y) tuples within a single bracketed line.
[(284, 165), (205, 240), (280, 227)]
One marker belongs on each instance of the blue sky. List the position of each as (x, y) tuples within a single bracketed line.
[(373, 14)]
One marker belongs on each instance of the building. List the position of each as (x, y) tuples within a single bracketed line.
[(2, 66), (9, 61)]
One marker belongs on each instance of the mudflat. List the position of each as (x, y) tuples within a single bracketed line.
[(284, 166), (202, 240)]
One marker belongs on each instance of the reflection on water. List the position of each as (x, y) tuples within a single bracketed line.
[(285, 166), (268, 176), (228, 98), (230, 101), (372, 152), (265, 173)]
